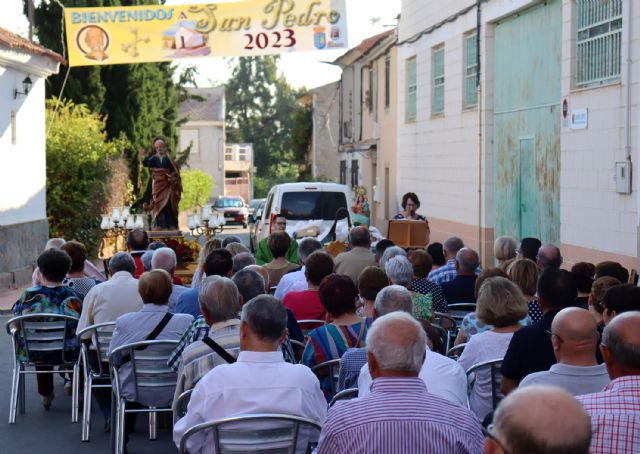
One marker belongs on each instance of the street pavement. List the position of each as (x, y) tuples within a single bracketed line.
[(40, 431)]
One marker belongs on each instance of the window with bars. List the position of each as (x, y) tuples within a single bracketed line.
[(412, 87), (387, 82), (343, 172), (355, 173), (470, 70), (599, 39), (437, 100)]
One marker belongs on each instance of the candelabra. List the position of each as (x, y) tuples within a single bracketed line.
[(119, 222), (208, 223)]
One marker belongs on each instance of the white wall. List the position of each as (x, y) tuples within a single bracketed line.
[(210, 151), (22, 168)]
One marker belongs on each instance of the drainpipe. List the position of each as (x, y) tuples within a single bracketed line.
[(627, 87), (479, 145)]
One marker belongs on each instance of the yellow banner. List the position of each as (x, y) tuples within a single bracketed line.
[(137, 34)]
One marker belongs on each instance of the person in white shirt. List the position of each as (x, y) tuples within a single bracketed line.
[(296, 280), (500, 303), (109, 300), (259, 382), (443, 377), (574, 336), (165, 259)]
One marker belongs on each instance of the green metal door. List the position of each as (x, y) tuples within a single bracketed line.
[(526, 145)]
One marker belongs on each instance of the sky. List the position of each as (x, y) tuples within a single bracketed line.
[(364, 18)]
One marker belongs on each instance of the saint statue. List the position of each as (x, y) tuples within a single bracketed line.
[(166, 186)]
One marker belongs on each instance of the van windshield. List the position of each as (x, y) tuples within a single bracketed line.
[(297, 206)]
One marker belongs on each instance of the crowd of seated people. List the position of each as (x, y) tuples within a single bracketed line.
[(566, 343)]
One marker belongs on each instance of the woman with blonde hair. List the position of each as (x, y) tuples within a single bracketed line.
[(524, 273), (504, 250), (209, 246), (502, 305)]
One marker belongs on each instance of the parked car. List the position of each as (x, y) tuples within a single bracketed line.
[(302, 204), (234, 209), (254, 205)]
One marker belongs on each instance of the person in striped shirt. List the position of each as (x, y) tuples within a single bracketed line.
[(399, 415)]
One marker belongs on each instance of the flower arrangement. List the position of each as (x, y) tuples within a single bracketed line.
[(186, 251)]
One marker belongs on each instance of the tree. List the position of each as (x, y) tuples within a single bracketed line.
[(301, 140), (260, 109), (137, 100), (196, 186), (78, 167)]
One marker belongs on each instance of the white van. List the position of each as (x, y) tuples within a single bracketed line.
[(303, 204)]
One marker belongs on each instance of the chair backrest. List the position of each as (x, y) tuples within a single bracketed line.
[(444, 336), (455, 352), (310, 325), (345, 394), (457, 311), (148, 365), (298, 349), (445, 321), (493, 367), (258, 433), (44, 333), (101, 334), (180, 405), (332, 368)]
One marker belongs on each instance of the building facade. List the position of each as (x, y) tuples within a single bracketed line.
[(325, 135), (239, 170), (204, 131), (24, 66), (537, 151), (368, 123)]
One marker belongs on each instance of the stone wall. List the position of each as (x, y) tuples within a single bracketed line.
[(21, 245)]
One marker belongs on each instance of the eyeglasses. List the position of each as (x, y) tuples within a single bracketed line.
[(488, 432)]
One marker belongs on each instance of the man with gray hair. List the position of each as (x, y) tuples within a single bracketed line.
[(539, 419), (549, 257), (230, 239), (392, 298), (359, 257), (165, 258), (461, 289), (615, 411), (389, 253), (260, 381), (295, 281), (400, 411), (220, 304), (446, 273), (109, 300), (242, 260)]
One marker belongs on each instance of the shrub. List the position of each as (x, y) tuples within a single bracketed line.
[(78, 167)]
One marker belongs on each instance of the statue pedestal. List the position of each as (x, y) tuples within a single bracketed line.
[(160, 235)]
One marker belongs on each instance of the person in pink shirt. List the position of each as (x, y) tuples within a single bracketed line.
[(305, 304)]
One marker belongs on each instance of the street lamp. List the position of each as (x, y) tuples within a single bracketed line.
[(26, 86)]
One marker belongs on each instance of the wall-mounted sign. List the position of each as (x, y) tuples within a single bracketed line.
[(149, 33), (579, 118)]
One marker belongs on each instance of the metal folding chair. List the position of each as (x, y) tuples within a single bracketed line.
[(457, 311), (101, 335), (298, 349), (180, 405), (455, 352), (345, 394), (41, 334), (332, 368), (448, 323), (150, 373), (309, 325), (257, 433), (493, 368)]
